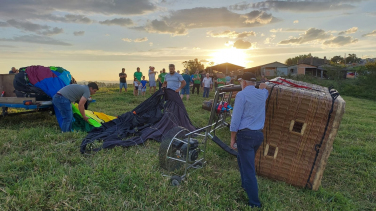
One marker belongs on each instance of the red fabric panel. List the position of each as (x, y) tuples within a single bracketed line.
[(38, 73)]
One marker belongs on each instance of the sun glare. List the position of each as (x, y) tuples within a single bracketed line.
[(231, 55)]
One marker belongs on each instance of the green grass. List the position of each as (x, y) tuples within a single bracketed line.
[(42, 169)]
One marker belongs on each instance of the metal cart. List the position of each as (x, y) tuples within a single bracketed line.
[(182, 150)]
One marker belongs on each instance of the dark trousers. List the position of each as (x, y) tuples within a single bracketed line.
[(198, 88), (248, 141), (160, 85), (206, 92)]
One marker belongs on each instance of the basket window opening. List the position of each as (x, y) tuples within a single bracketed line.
[(298, 126), (271, 151)]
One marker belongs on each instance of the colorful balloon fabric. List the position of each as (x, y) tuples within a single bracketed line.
[(96, 119), (50, 80)]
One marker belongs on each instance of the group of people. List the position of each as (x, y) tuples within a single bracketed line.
[(197, 81), (247, 120)]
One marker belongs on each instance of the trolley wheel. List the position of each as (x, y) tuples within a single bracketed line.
[(4, 111), (167, 149), (175, 180)]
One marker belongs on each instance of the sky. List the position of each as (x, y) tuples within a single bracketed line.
[(94, 39)]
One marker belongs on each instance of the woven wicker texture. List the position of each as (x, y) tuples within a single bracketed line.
[(295, 123)]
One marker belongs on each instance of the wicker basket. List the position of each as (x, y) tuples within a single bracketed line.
[(299, 132)]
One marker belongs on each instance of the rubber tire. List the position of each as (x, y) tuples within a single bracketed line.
[(175, 180)]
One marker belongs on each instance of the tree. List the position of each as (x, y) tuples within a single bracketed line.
[(337, 60), (351, 58), (335, 72), (295, 60), (193, 65)]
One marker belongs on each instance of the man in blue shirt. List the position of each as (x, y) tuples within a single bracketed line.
[(173, 80), (247, 122), (185, 90)]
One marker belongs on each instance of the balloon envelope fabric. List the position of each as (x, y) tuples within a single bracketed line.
[(95, 119), (50, 80)]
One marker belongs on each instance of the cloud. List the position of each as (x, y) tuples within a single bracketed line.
[(269, 40), (36, 39), (229, 43), (349, 31), (296, 21), (204, 60), (231, 34), (144, 39), (373, 33), (7, 46), (52, 32), (68, 18), (126, 40), (298, 6), (118, 21), (311, 34), (78, 33), (41, 9), (340, 41), (3, 24), (32, 27), (241, 44), (287, 30), (178, 22), (150, 44)]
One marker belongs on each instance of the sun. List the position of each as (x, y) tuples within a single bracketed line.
[(231, 55)]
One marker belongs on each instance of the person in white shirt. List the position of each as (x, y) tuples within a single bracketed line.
[(207, 83)]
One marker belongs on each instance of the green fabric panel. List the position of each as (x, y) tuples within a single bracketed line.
[(91, 121), (57, 69), (80, 124)]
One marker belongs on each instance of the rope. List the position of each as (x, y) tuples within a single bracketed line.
[(266, 132), (334, 94)]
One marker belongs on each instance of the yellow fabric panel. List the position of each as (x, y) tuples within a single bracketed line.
[(104, 117)]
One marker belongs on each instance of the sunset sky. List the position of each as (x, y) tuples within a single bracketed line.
[(94, 39)]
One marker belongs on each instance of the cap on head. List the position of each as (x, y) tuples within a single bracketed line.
[(248, 77)]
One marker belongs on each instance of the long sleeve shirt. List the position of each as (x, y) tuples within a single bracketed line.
[(249, 109)]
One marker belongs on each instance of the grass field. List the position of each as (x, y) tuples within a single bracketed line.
[(42, 169)]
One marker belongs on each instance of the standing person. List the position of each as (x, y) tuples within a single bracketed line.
[(207, 83), (178, 71), (152, 83), (161, 77), (138, 74), (13, 71), (187, 79), (135, 84), (203, 75), (196, 82), (143, 85), (263, 79), (228, 80), (247, 122), (221, 80), (123, 80), (232, 78), (173, 79), (72, 93)]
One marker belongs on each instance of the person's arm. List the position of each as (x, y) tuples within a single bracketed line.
[(81, 108), (183, 83), (236, 117), (164, 84)]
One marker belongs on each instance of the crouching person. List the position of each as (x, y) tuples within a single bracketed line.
[(247, 122), (71, 93)]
